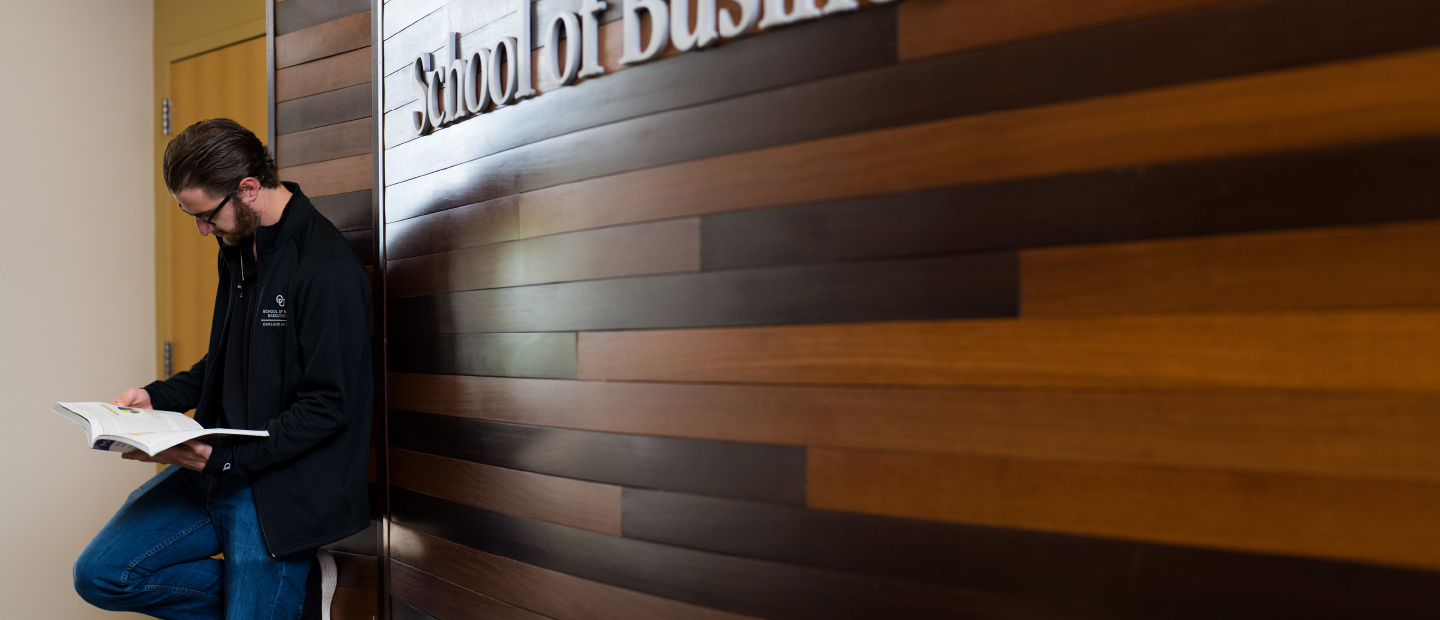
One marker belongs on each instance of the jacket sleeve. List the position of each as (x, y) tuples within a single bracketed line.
[(181, 392), (332, 325)]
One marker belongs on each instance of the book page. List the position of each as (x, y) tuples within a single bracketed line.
[(108, 419)]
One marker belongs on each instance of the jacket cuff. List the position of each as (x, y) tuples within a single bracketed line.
[(156, 390), (220, 462)]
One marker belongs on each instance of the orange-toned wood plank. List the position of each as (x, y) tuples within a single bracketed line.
[(1359, 351), (1342, 103), (1391, 437), (337, 176), (929, 27), (644, 249), (554, 594), (1388, 522), (333, 37), (1348, 267), (325, 143), (323, 75), (442, 599), (587, 505), (351, 604)]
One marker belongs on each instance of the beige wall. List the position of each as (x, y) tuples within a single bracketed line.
[(77, 307)]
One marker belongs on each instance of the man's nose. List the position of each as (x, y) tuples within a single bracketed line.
[(205, 229)]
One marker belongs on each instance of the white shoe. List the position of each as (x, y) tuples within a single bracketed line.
[(328, 579)]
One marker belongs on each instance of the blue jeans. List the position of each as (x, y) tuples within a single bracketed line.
[(154, 556)]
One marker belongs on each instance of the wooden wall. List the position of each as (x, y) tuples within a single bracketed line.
[(940, 309), (323, 97)]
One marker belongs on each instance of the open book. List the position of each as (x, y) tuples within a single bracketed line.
[(126, 429)]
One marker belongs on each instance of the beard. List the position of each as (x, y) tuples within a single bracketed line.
[(247, 221)]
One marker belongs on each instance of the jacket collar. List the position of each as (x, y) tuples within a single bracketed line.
[(293, 219)]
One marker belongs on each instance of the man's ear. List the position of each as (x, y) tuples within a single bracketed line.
[(249, 189)]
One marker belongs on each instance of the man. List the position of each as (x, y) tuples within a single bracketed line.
[(289, 353)]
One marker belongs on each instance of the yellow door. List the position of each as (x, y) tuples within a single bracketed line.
[(226, 83)]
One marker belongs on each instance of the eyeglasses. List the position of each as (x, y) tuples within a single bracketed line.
[(209, 216)]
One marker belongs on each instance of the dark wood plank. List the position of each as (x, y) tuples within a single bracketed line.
[(483, 223), (743, 585), (853, 42), (339, 71), (1355, 267), (336, 106), (1335, 351), (1104, 577), (760, 473), (929, 288), (405, 611), (554, 594), (336, 176), (351, 211), (934, 27), (323, 40), (646, 249), (549, 355), (357, 571), (363, 243), (293, 15), (1324, 434), (586, 505), (446, 600), (336, 141), (351, 604), (1375, 521), (1372, 183), (1126, 57)]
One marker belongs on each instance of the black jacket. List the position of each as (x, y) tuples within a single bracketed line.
[(309, 382)]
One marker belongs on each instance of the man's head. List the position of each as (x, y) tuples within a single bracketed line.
[(215, 169)]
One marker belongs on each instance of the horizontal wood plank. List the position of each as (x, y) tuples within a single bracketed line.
[(586, 505), (1372, 183), (761, 473), (339, 71), (336, 106), (447, 601), (741, 585), (400, 15), (1379, 521), (647, 249), (549, 355), (493, 221), (1343, 103), (325, 143), (553, 594), (854, 42), (929, 27), (1349, 351), (297, 15), (400, 610), (1314, 434), (351, 211), (928, 288), (357, 572), (1086, 576), (322, 40), (1350, 267), (337, 176), (363, 243)]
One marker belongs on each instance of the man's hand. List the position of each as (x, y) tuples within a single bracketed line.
[(134, 397), (192, 454)]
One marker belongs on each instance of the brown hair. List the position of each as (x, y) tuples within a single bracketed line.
[(215, 155)]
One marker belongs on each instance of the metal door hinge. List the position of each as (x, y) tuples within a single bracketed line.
[(169, 359), (165, 117)]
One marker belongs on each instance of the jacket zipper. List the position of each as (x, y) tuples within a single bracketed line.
[(249, 344)]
